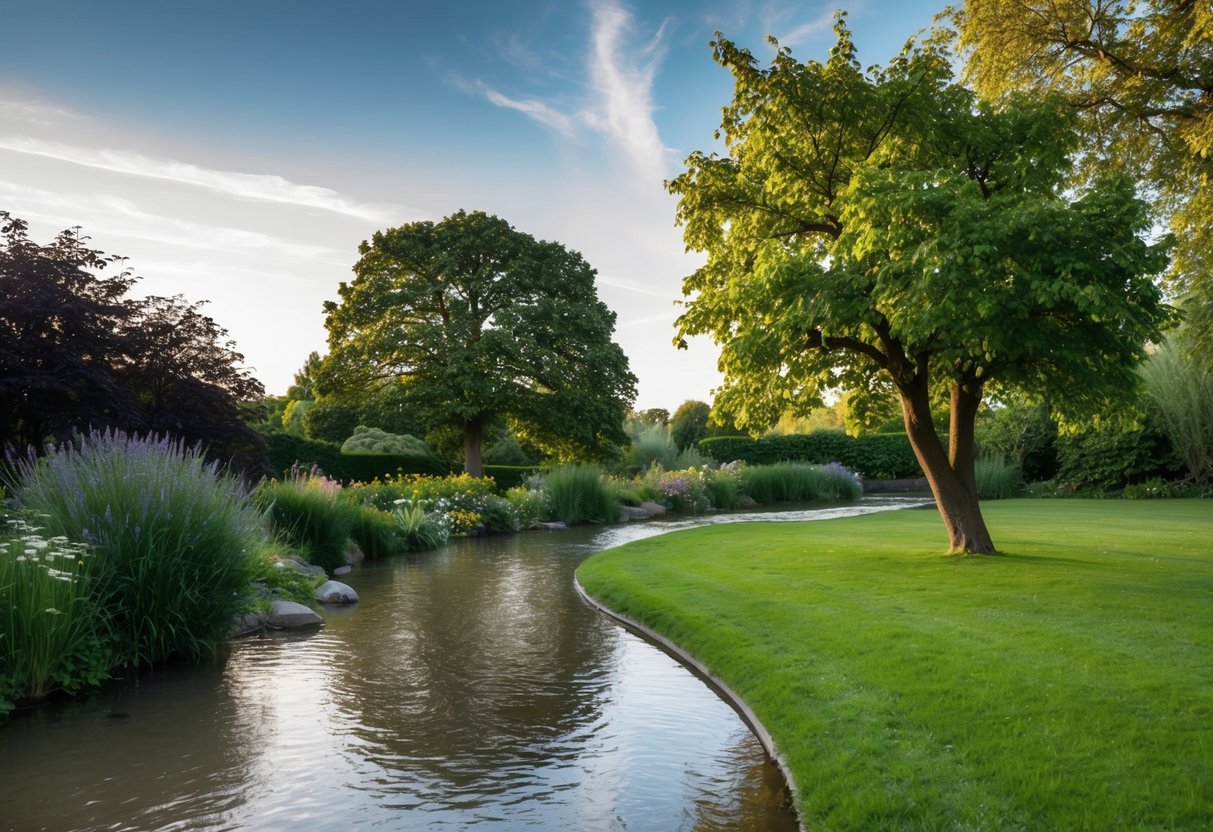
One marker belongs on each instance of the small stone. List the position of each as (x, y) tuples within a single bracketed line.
[(627, 513), (243, 625), (343, 570), (335, 592), (354, 554), (287, 615), (654, 509)]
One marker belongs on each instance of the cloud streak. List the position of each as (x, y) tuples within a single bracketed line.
[(251, 186), (624, 85)]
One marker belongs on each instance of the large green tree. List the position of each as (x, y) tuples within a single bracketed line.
[(1139, 75), (480, 321), (886, 227)]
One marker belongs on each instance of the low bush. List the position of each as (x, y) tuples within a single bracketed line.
[(580, 494), (724, 488), (286, 451), (307, 512), (530, 507), (51, 630), (375, 441), (171, 537), (421, 530), (685, 491), (509, 476)]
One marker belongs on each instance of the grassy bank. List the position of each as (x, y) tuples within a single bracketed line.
[(1063, 685)]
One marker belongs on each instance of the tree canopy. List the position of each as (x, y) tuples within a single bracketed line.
[(77, 352), (1139, 76), (884, 228), (480, 322)]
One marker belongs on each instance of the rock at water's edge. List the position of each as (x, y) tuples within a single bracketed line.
[(335, 592), (287, 615), (627, 513), (652, 508)]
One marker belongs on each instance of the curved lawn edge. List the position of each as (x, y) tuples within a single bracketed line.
[(713, 681)]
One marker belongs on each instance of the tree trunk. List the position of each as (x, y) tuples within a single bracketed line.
[(950, 474), (473, 441)]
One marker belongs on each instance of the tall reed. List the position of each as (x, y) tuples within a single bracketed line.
[(580, 494)]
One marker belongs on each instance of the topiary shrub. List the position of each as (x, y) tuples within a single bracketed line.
[(366, 440)]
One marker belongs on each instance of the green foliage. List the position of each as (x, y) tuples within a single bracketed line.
[(508, 476), (292, 416), (1154, 488), (689, 423), (469, 503), (580, 494), (652, 445), (506, 450), (308, 512), (799, 482), (996, 479), (50, 629), (1136, 74), (171, 536), (1022, 434), (724, 488), (365, 440), (873, 455), (329, 421), (483, 322), (376, 532), (422, 530), (530, 507), (1109, 456), (1181, 392), (273, 580)]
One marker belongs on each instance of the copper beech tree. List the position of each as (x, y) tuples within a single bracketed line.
[(867, 228)]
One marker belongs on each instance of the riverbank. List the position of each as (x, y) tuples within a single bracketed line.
[(1061, 685)]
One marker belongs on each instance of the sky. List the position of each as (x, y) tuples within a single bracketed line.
[(238, 152)]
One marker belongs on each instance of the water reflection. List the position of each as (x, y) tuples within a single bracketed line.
[(469, 687)]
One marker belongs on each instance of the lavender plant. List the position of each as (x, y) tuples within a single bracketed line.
[(171, 533)]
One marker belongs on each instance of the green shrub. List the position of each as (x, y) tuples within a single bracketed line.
[(306, 511), (996, 479), (685, 491), (724, 489), (376, 532), (1181, 391), (1109, 457), (530, 507), (580, 494), (651, 445), (1155, 488), (798, 482), (274, 581), (50, 630), (366, 440), (171, 536), (420, 529)]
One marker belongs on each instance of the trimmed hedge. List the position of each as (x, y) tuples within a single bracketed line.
[(285, 450), (873, 455)]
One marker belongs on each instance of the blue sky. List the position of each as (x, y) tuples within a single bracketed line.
[(238, 152)]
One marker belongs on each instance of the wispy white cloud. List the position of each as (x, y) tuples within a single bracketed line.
[(32, 112), (253, 186), (631, 287), (621, 75), (543, 113), (118, 216), (800, 33)]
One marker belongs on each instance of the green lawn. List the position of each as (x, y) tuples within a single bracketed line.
[(1066, 684)]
